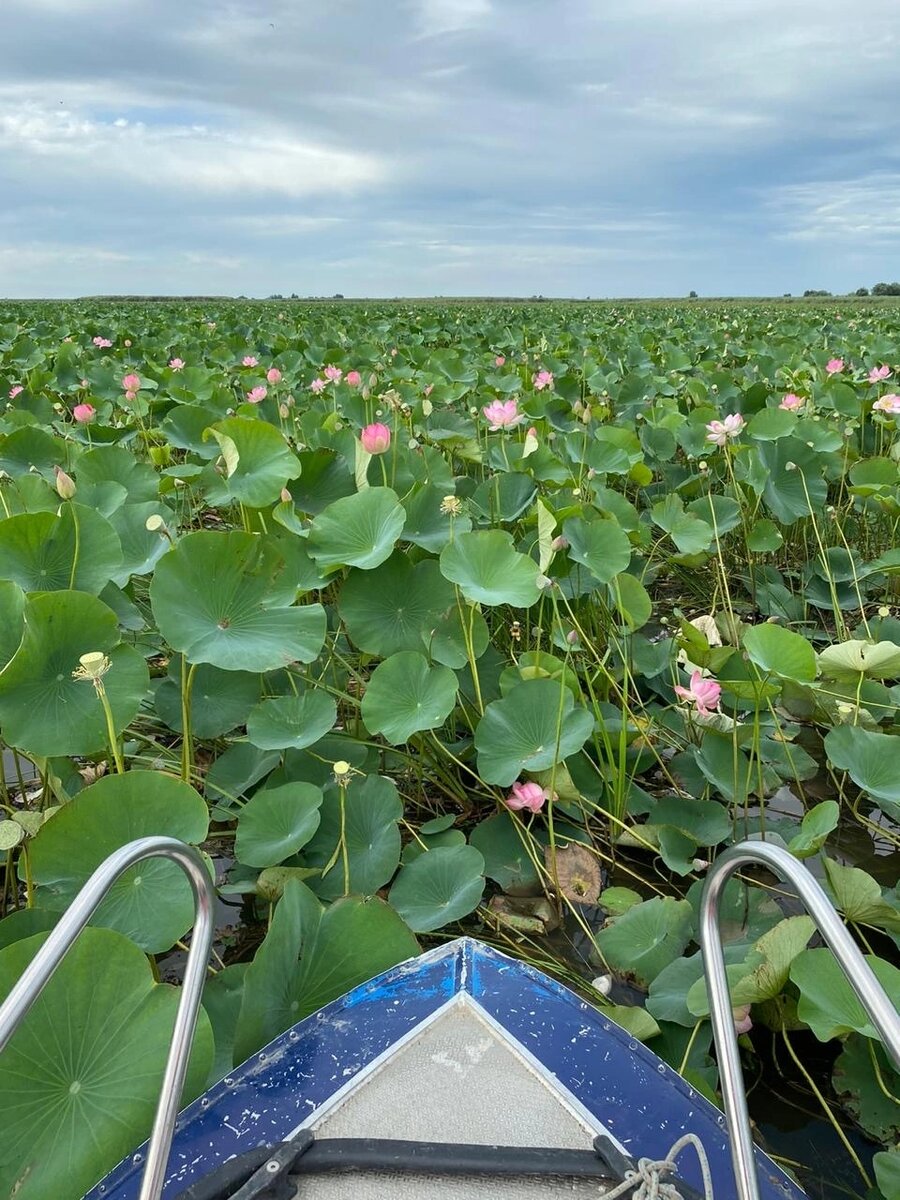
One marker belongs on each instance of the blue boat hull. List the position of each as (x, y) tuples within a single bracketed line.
[(614, 1083)]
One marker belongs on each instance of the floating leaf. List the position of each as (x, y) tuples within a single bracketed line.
[(506, 860), (276, 822), (291, 722), (372, 810), (405, 695), (439, 887), (80, 1080), (856, 1083), (575, 872), (535, 726), (647, 937), (396, 606), (226, 599)]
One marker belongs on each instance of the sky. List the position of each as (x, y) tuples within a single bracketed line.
[(448, 147)]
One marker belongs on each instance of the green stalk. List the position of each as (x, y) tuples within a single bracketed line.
[(187, 741)]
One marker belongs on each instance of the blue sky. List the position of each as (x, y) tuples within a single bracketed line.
[(448, 147)]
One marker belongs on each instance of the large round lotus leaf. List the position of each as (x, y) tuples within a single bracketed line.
[(225, 599), (151, 902), (142, 548), (489, 570), (46, 712), (24, 922), (601, 546), (291, 722), (870, 759), (647, 937), (440, 886), (357, 531), (535, 726), (43, 552), (220, 700), (12, 620), (372, 811), (506, 860), (258, 461), (395, 606), (405, 695), (115, 464), (445, 642), (80, 1079), (849, 660), (426, 525), (781, 652), (275, 823), (828, 1004), (353, 940)]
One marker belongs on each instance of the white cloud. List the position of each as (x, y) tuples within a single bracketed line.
[(451, 16), (840, 210)]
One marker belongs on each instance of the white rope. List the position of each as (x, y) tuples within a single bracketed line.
[(647, 1179)]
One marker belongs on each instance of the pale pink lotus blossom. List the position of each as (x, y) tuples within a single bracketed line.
[(888, 404), (15, 390), (741, 1017), (131, 395), (333, 374), (528, 795), (703, 693), (502, 414), (720, 431), (354, 379), (84, 413), (176, 364), (273, 375), (375, 438), (255, 395), (394, 352), (249, 361), (878, 373), (834, 366), (102, 343), (500, 360), (317, 385), (791, 403), (65, 484), (543, 379), (131, 383)]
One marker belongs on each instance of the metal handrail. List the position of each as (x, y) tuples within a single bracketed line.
[(57, 945), (869, 991)]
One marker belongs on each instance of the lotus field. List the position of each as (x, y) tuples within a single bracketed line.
[(438, 618)]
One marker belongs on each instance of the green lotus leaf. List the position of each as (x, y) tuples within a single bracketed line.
[(371, 812), (152, 902), (828, 1004), (689, 533), (489, 570), (440, 886), (46, 712), (405, 695), (396, 606), (46, 552), (227, 599), (276, 822), (291, 722), (116, 464), (780, 651), (142, 548), (220, 700), (258, 460), (535, 726), (357, 531), (600, 545), (632, 601), (849, 660), (80, 1079), (859, 896), (647, 937), (868, 758), (12, 620), (815, 828), (502, 846)]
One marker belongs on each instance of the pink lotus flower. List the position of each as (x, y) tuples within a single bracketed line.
[(333, 374), (741, 1017), (834, 366), (131, 395), (131, 383), (255, 395), (528, 795), (500, 360), (720, 431), (249, 361), (791, 403), (878, 373), (273, 375), (354, 379), (888, 404), (704, 694), (394, 352), (65, 484), (543, 379), (375, 438), (84, 413), (502, 414), (15, 390), (102, 342), (317, 385), (176, 364)]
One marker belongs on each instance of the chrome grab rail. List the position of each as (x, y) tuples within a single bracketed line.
[(869, 991), (28, 988)]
